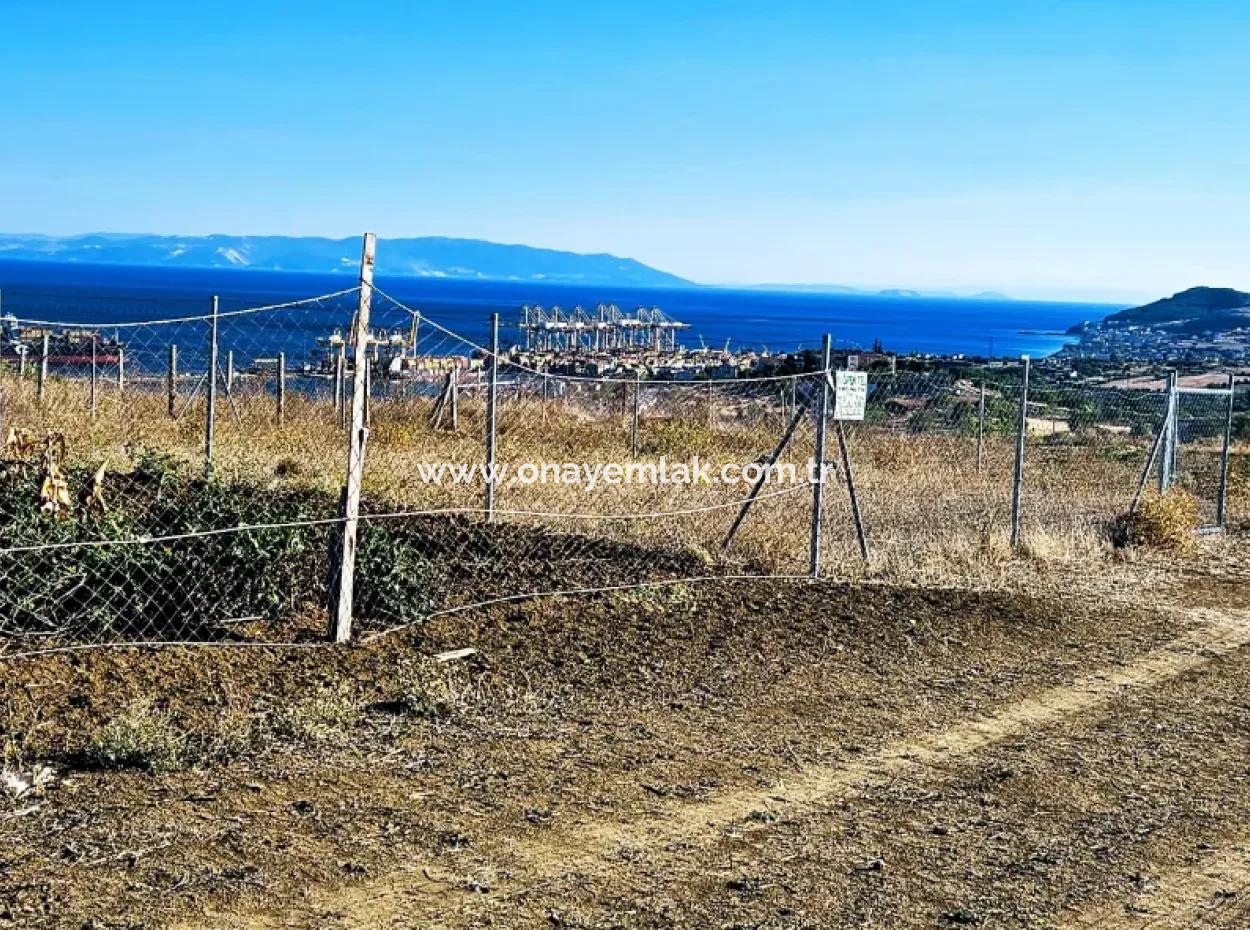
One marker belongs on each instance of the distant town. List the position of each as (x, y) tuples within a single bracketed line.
[(1202, 325)]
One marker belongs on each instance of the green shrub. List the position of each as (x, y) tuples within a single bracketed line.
[(200, 572)]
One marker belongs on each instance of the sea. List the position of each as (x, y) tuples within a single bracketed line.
[(75, 293)]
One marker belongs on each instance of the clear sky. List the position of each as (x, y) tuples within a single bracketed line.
[(1042, 149)]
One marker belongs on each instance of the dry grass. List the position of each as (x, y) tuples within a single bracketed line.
[(324, 717), (932, 517), (1167, 521)]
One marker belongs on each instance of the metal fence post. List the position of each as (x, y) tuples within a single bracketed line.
[(343, 589), (490, 416), (210, 418), (95, 375), (1017, 481), (1167, 465), (454, 387), (340, 377), (281, 388), (818, 488), (981, 430), (860, 532), (171, 384), (633, 433), (1221, 501), (121, 371), (43, 368)]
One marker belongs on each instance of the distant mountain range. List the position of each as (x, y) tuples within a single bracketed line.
[(431, 257), (1195, 310), (427, 257)]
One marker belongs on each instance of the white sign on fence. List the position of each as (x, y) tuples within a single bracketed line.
[(850, 395)]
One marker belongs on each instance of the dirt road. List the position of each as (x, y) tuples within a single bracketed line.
[(770, 756)]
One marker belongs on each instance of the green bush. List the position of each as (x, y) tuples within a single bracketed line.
[(196, 571)]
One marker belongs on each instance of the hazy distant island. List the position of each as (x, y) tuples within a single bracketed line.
[(1201, 324), (428, 256), (436, 257)]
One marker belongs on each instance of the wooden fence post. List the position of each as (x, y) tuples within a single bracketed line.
[(343, 591)]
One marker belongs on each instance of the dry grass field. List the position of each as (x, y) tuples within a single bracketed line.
[(932, 516), (953, 734)]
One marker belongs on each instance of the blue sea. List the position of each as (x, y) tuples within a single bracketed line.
[(780, 321)]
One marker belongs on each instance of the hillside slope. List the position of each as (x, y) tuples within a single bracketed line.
[(1194, 310)]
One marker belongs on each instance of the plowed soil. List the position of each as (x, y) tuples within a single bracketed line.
[(737, 754)]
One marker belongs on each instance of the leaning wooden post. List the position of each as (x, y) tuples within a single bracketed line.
[(343, 590), (490, 416), (210, 417), (1022, 430), (981, 429), (95, 374), (818, 487), (281, 388), (43, 368), (171, 382), (1221, 501)]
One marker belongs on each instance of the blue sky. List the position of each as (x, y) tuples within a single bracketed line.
[(1066, 150)]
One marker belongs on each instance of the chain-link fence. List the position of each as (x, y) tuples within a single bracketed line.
[(182, 480)]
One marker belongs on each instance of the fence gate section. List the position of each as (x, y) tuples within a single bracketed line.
[(1196, 449)]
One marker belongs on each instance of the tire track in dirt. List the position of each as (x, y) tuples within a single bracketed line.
[(584, 848), (1213, 893)]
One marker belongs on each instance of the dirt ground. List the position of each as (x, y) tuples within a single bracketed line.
[(738, 754)]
